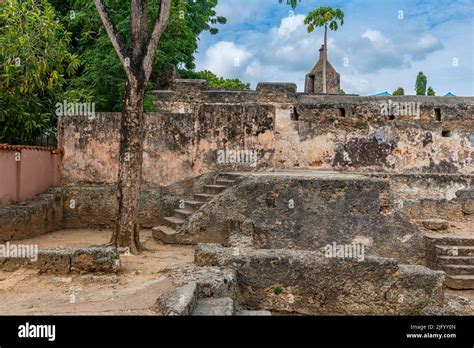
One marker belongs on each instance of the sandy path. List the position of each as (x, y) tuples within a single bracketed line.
[(134, 291)]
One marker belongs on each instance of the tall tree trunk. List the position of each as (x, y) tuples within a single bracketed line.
[(325, 54), (138, 69), (126, 233)]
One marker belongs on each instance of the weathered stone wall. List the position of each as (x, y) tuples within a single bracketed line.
[(95, 206), (351, 133), (312, 284), (422, 196), (311, 211), (94, 259), (406, 187), (286, 129), (461, 208), (181, 141), (84, 206), (39, 215)]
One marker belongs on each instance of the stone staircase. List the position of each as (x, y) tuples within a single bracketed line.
[(455, 256), (168, 233), (205, 291)]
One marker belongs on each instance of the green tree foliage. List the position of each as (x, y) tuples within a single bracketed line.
[(342, 92), (102, 71), (292, 3), (420, 85), (399, 91), (324, 16), (430, 91), (35, 63), (215, 82)]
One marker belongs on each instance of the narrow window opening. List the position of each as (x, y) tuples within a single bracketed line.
[(391, 117), (342, 112), (438, 114), (294, 114), (446, 134)]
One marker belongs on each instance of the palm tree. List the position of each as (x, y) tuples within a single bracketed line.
[(324, 17)]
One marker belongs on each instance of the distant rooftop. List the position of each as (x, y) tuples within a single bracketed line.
[(382, 94)]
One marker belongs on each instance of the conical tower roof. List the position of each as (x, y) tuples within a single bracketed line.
[(318, 67)]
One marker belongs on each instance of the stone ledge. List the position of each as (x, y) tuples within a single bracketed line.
[(312, 284), (275, 87), (187, 85), (94, 259)]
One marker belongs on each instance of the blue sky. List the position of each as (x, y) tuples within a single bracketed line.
[(382, 45)]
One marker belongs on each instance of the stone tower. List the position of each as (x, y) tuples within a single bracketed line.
[(314, 80)]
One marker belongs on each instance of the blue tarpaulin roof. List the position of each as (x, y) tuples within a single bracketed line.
[(383, 94), (449, 94)]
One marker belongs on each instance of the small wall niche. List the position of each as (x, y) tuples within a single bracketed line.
[(294, 114), (438, 114), (446, 133), (342, 112)]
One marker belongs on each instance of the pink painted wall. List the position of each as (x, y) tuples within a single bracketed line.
[(7, 177), (38, 170)]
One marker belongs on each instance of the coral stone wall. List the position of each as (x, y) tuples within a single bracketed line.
[(309, 212), (183, 140), (355, 133), (283, 128)]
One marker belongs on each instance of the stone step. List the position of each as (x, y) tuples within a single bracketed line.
[(183, 213), (464, 282), (466, 197), (225, 182), (459, 269), (229, 176), (451, 240), (165, 234), (214, 189), (435, 224), (455, 250), (222, 306), (203, 197), (456, 260), (174, 222), (192, 205), (248, 313)]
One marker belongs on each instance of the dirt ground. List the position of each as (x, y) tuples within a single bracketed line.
[(143, 279), (132, 292)]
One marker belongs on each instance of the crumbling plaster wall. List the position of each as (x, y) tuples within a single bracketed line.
[(350, 133), (181, 140), (286, 129)]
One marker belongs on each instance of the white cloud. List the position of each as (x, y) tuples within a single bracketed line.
[(236, 13), (289, 25), (289, 46), (225, 58), (382, 56), (376, 37), (356, 84)]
